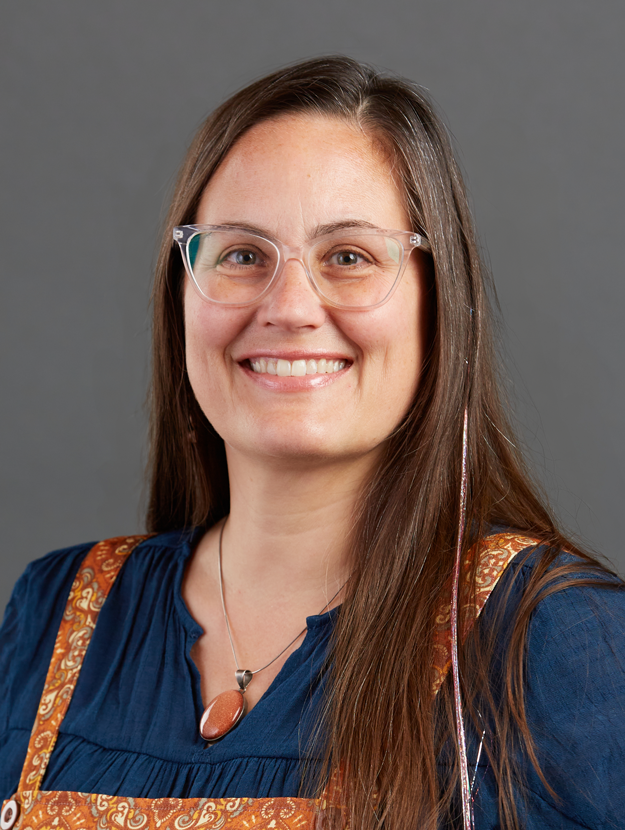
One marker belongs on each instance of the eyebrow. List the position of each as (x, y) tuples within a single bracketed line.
[(322, 230), (319, 230)]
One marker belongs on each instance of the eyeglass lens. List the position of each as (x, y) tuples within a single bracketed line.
[(349, 269)]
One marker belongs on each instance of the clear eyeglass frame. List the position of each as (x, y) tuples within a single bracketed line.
[(406, 240)]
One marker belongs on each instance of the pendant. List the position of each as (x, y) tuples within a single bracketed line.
[(226, 710)]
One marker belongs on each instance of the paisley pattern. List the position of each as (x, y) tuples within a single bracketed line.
[(494, 555), (71, 811), (41, 810)]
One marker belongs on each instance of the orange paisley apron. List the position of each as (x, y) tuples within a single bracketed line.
[(34, 809)]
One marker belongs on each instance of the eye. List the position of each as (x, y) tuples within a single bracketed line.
[(346, 258), (241, 256), (346, 261)]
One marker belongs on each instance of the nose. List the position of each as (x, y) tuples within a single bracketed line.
[(292, 302)]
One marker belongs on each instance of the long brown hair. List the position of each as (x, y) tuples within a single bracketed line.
[(380, 722)]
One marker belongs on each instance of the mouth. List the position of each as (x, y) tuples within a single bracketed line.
[(294, 368)]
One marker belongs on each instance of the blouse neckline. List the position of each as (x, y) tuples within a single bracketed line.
[(315, 624), (194, 629)]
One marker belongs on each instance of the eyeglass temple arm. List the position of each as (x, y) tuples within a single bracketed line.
[(420, 241)]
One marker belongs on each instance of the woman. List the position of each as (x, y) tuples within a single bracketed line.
[(327, 434)]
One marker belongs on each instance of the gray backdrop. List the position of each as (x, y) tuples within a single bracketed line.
[(99, 101)]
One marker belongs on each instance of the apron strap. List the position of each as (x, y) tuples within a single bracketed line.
[(494, 555), (90, 588)]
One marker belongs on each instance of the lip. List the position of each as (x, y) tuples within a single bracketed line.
[(293, 384), (293, 354)]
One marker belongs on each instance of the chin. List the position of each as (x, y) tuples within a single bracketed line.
[(303, 445), (316, 448)]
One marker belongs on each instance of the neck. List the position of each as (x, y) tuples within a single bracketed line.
[(290, 525)]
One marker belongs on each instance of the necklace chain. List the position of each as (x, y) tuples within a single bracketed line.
[(223, 605)]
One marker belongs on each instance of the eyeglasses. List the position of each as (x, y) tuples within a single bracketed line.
[(352, 268)]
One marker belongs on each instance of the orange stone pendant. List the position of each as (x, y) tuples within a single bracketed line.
[(224, 711), (222, 714)]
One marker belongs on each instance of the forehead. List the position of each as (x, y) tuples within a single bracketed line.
[(304, 170)]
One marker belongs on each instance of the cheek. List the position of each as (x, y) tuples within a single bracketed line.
[(403, 359), (395, 337), (411, 323), (209, 331), (201, 342), (403, 343)]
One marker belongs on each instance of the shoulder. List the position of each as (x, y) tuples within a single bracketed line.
[(38, 601), (563, 599), (575, 655), (33, 617), (41, 592), (37, 595), (519, 561), (27, 637), (573, 677), (575, 622)]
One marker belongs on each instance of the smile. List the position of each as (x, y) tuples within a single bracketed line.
[(295, 368)]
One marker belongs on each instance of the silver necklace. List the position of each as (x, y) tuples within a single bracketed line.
[(225, 711)]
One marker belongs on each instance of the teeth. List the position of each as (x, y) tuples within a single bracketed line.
[(295, 368), (284, 368)]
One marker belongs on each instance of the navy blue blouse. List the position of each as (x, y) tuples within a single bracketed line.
[(132, 726)]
